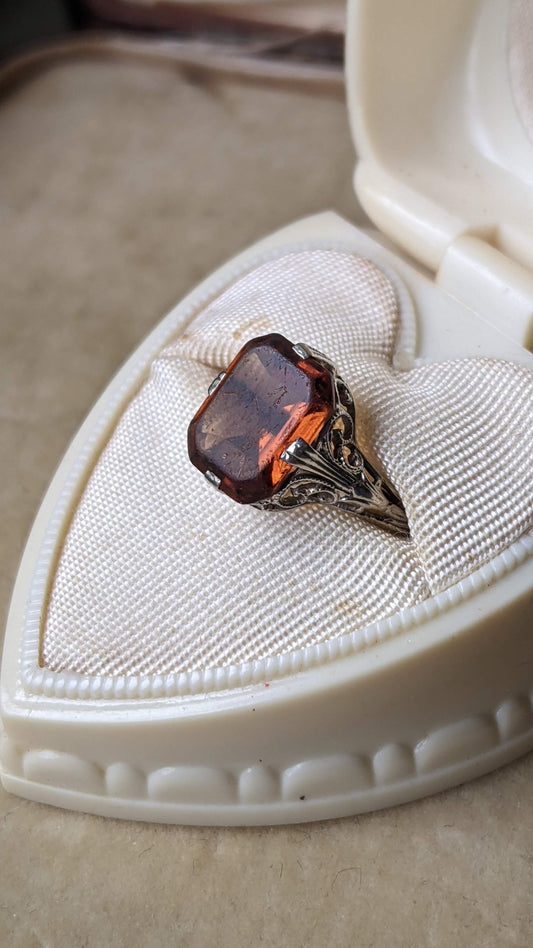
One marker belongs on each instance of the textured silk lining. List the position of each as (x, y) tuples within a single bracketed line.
[(161, 574), (521, 61)]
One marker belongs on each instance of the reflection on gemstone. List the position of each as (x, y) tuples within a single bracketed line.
[(269, 397)]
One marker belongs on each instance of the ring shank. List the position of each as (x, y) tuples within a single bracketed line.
[(319, 478)]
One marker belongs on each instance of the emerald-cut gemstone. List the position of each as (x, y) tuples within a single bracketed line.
[(269, 397)]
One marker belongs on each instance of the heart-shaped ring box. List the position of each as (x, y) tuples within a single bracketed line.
[(359, 715)]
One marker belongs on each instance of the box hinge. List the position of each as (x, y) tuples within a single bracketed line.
[(490, 283)]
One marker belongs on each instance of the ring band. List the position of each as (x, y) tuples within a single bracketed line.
[(277, 430)]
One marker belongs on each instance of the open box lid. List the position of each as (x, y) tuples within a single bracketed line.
[(441, 108)]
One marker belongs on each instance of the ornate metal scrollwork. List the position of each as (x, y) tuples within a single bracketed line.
[(334, 470)]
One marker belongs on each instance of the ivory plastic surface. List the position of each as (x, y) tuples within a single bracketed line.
[(445, 164), (447, 699), (444, 691)]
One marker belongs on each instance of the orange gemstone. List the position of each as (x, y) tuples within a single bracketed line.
[(269, 397)]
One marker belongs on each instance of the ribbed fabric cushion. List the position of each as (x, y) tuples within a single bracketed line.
[(160, 573)]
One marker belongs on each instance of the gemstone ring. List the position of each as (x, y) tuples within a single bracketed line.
[(277, 430)]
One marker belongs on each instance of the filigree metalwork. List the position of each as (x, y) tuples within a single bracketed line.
[(334, 470)]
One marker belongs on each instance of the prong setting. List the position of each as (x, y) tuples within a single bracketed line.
[(212, 479), (216, 382), (302, 350)]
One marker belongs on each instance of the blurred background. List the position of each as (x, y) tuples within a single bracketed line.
[(293, 30)]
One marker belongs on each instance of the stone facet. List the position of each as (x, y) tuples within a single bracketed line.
[(269, 397)]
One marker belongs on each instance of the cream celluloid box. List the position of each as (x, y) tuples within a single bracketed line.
[(174, 656)]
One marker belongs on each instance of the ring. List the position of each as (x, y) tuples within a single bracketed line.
[(277, 430)]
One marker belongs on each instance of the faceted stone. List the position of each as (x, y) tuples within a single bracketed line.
[(269, 397)]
